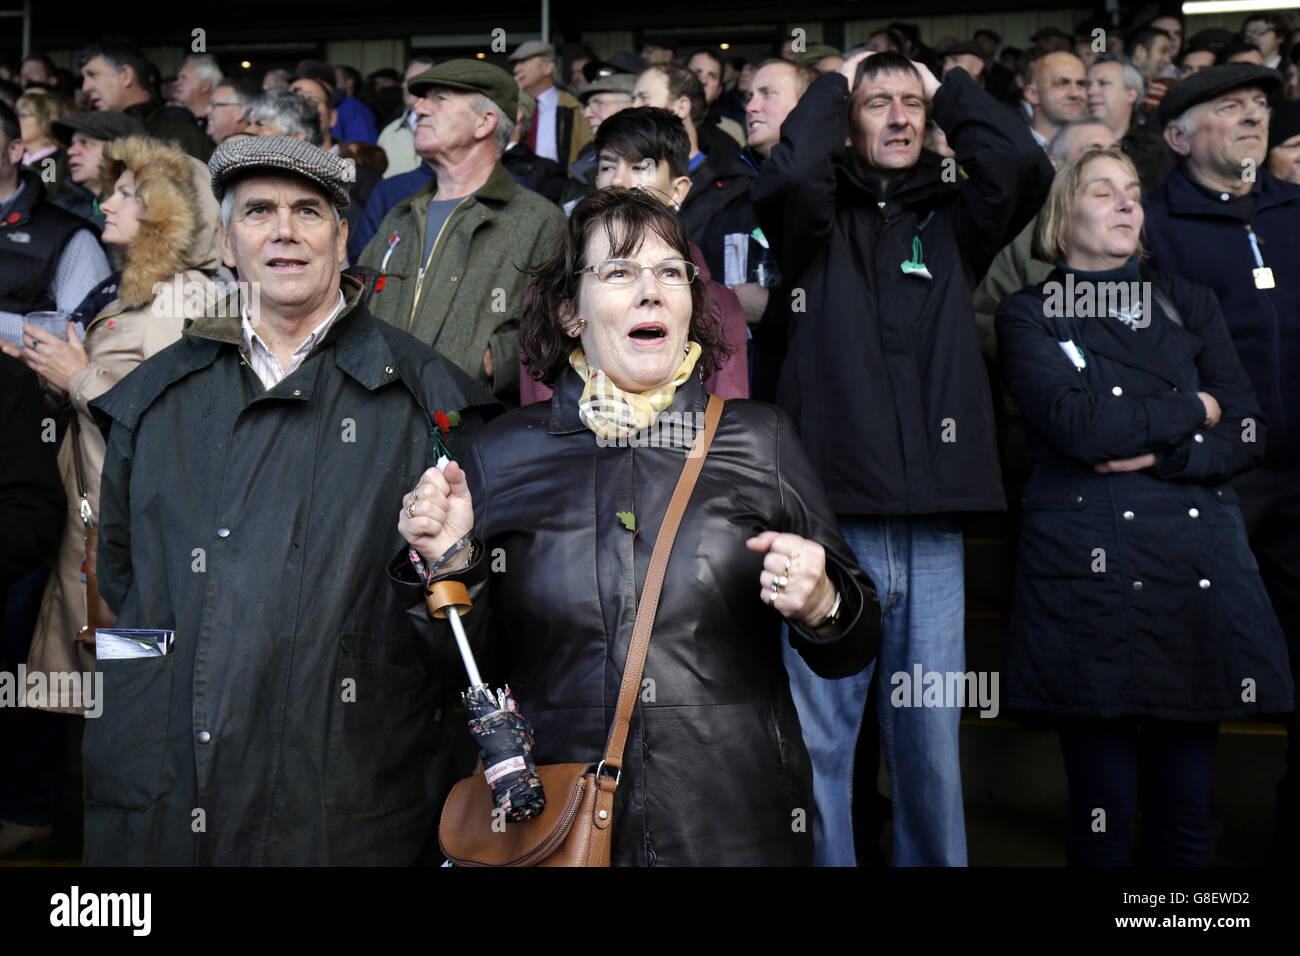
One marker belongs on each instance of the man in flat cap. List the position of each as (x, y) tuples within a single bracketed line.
[(84, 135), (448, 263), (601, 99), (283, 711), (1223, 220), (559, 131)]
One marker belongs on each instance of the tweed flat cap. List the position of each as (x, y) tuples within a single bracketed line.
[(97, 124), (1214, 81), (470, 76), (617, 83), (530, 49), (234, 158)]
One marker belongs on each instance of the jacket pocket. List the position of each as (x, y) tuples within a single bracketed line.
[(383, 709), (125, 748)]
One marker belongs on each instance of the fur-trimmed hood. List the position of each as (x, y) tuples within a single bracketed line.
[(178, 229)]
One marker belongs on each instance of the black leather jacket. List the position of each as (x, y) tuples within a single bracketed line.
[(715, 771)]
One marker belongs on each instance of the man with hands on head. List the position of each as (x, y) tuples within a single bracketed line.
[(884, 380)]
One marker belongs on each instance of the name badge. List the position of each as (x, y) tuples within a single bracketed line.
[(1263, 278)]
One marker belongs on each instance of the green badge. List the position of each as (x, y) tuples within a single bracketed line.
[(915, 266)]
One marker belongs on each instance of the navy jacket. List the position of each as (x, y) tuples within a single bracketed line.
[(883, 375), (1193, 233), (1136, 593)]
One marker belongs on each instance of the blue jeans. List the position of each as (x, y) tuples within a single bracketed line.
[(917, 566)]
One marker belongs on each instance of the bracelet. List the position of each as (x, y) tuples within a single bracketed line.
[(831, 618), (427, 572)]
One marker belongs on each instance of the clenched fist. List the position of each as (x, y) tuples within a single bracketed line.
[(437, 513)]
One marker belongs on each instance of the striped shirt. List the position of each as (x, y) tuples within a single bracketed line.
[(263, 361), (81, 268)]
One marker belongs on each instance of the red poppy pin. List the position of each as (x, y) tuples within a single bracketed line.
[(444, 422), (111, 324), (379, 283), (14, 217)]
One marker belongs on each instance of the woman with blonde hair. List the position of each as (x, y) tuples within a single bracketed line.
[(160, 221), (1138, 618), (36, 111)]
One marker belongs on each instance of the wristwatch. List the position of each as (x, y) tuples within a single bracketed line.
[(832, 618)]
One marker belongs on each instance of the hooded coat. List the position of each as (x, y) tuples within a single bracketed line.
[(176, 248)]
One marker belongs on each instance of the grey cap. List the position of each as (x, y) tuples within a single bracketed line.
[(97, 124), (532, 48), (234, 158), (618, 83)]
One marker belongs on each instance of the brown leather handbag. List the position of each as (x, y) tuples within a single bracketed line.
[(576, 827), (98, 613)]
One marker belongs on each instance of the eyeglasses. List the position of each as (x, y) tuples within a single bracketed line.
[(671, 272), (1257, 32), (215, 103)]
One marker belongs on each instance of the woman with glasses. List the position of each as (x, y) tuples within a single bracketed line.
[(550, 516)]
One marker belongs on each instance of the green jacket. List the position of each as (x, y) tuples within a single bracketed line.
[(476, 272)]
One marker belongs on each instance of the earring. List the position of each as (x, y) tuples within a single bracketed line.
[(576, 329), (686, 350)]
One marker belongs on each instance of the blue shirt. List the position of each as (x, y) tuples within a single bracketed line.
[(356, 122), (386, 194)]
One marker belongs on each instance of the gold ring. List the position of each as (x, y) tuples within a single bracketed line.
[(780, 581), (410, 509), (415, 494)]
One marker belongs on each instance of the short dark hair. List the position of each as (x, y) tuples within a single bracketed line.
[(893, 35), (351, 73), (1276, 22), (628, 217), (1235, 46), (245, 88), (1145, 38), (646, 132), (682, 82), (712, 55), (9, 125), (120, 52), (910, 32), (991, 34), (886, 61), (41, 58)]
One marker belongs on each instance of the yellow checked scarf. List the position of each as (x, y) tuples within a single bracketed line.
[(613, 413)]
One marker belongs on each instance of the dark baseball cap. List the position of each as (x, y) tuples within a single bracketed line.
[(98, 124), (235, 157), (471, 76), (1213, 81)]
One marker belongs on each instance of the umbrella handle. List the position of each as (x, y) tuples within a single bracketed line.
[(450, 599)]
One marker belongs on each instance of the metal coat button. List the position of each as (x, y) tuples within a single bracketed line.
[(1128, 516), (1203, 584), (1137, 585), (1078, 499), (1198, 438), (1117, 391), (388, 369), (297, 391), (1193, 513), (204, 736), (223, 532)]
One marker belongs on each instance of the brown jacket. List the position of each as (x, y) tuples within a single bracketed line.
[(179, 242)]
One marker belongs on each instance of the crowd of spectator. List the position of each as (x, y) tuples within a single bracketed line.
[(879, 231)]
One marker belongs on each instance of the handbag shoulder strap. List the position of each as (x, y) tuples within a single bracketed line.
[(654, 580)]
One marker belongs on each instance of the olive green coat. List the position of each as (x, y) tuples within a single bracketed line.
[(468, 296)]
